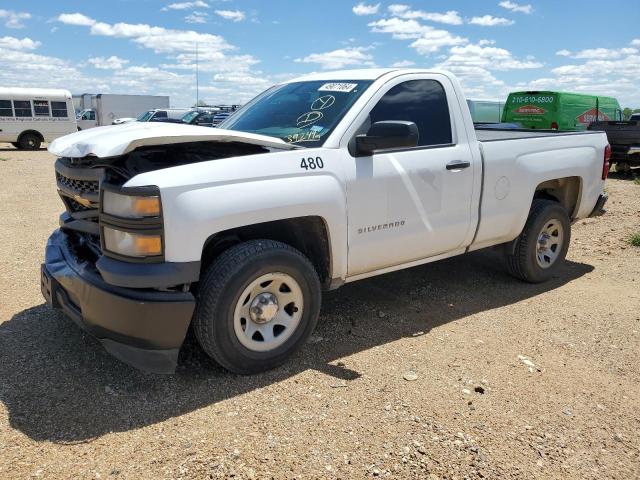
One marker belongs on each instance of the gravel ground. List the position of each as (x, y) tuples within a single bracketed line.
[(449, 370)]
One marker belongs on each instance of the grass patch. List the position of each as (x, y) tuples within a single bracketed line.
[(2, 159), (635, 239)]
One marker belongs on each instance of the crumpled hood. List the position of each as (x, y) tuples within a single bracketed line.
[(116, 140)]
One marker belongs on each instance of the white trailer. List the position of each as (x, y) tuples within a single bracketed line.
[(105, 108), (30, 116)]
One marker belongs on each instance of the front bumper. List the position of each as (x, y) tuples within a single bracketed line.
[(599, 210), (142, 327)]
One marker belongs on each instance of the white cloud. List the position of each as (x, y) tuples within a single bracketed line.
[(487, 57), (363, 9), (433, 40), (111, 63), (403, 11), (427, 39), (604, 53), (233, 15), (159, 39), (398, 28), (197, 17), (403, 64), (635, 42), (185, 5), (76, 19), (490, 21), (18, 43), (514, 7), (344, 57), (563, 53), (14, 19)]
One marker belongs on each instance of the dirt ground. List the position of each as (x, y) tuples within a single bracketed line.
[(449, 370)]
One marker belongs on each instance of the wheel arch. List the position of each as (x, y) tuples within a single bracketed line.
[(567, 191), (310, 235)]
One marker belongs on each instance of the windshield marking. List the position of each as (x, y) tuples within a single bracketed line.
[(308, 118), (323, 102)]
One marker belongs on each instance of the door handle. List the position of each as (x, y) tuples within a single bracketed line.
[(458, 165)]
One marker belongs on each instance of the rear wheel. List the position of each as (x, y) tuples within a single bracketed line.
[(541, 248), (29, 141), (257, 304)]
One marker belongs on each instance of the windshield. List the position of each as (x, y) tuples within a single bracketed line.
[(303, 113), (145, 116), (187, 117)]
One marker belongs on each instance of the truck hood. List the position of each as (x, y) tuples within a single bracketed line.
[(116, 140)]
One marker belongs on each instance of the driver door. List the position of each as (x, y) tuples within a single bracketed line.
[(408, 204)]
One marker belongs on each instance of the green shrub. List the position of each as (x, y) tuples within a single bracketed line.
[(635, 239)]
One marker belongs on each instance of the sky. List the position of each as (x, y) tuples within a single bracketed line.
[(245, 46)]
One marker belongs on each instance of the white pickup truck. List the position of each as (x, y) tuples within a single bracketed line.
[(318, 181)]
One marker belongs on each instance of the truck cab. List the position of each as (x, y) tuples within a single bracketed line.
[(323, 180)]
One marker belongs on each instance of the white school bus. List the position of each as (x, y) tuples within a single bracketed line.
[(30, 116)]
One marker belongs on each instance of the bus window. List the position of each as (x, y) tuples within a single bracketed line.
[(22, 108), (59, 109), (5, 108), (41, 108)]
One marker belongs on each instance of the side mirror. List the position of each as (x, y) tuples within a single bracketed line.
[(387, 135)]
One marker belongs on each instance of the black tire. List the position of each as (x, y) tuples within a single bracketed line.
[(220, 289), (521, 254), (29, 141)]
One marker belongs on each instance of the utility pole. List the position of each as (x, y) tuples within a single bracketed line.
[(197, 81)]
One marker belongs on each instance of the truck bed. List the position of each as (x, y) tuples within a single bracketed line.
[(498, 134)]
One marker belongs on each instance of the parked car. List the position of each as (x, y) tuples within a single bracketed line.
[(559, 110), (114, 109), (624, 138), (203, 118), (320, 181), (30, 116), (158, 114)]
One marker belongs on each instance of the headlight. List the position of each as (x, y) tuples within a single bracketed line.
[(130, 206), (131, 244)]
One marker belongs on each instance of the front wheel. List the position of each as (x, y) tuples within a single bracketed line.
[(541, 248), (257, 304)]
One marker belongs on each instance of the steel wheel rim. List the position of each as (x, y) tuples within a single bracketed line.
[(549, 244), (268, 312)]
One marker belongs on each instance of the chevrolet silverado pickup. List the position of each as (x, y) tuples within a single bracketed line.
[(235, 232)]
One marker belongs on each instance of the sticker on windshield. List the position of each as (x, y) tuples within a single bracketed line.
[(337, 87)]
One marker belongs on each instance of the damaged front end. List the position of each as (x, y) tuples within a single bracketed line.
[(139, 307)]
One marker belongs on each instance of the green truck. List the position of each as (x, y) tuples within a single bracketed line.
[(559, 110)]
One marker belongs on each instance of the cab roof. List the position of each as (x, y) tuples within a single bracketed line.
[(362, 74)]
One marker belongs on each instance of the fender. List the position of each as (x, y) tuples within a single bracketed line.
[(200, 200)]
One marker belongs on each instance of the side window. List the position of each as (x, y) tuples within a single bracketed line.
[(422, 102), (22, 108), (59, 109), (5, 108), (41, 108), (160, 114)]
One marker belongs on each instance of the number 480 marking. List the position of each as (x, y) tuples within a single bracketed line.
[(311, 163)]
